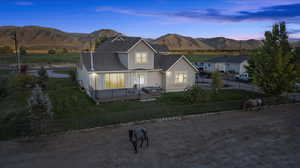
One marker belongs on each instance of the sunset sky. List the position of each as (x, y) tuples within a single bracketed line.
[(239, 19)]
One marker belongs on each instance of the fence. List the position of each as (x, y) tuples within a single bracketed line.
[(26, 128)]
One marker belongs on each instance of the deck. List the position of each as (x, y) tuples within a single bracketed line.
[(110, 95)]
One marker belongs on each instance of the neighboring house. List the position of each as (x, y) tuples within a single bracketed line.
[(234, 64), (131, 62)]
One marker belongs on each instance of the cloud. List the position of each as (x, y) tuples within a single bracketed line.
[(294, 31), (289, 13), (24, 3), (125, 11), (273, 13)]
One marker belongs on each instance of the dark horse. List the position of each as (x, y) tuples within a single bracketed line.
[(136, 135), (251, 104)]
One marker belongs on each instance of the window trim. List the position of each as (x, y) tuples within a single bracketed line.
[(141, 58), (184, 78)]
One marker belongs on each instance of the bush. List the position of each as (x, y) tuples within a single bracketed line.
[(196, 95), (23, 51), (217, 81), (64, 51), (22, 81), (52, 52)]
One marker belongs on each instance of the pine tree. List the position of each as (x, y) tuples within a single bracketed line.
[(272, 66)]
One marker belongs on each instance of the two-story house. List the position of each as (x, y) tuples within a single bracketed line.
[(132, 62)]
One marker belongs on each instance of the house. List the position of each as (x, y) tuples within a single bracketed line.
[(234, 64), (122, 63)]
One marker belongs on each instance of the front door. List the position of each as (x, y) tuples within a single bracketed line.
[(140, 80)]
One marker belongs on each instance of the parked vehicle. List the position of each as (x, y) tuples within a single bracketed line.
[(243, 77)]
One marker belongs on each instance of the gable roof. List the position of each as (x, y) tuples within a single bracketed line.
[(168, 61), (229, 59), (118, 44), (160, 47), (106, 56)]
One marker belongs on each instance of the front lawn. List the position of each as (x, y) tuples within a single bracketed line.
[(71, 104), (73, 109)]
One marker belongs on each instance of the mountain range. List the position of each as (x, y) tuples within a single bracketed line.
[(42, 38)]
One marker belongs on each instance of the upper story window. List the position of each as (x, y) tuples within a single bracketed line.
[(180, 77), (141, 58)]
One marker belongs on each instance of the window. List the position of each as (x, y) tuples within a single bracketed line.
[(114, 80), (141, 58), (180, 77)]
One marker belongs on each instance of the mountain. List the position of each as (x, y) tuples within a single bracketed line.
[(296, 43), (42, 38), (178, 42), (221, 43)]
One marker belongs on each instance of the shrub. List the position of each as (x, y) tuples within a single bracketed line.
[(51, 51), (196, 94), (217, 81), (23, 51), (22, 81), (64, 51)]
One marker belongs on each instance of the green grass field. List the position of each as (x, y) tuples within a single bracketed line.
[(73, 109), (41, 58), (69, 102)]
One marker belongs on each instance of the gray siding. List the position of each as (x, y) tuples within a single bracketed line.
[(142, 48), (181, 66), (83, 77)]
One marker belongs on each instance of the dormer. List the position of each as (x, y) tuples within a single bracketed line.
[(140, 55)]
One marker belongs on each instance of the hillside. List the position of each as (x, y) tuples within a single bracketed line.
[(41, 38), (178, 42), (222, 43)]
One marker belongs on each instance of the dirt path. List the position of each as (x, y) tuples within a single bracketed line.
[(236, 139)]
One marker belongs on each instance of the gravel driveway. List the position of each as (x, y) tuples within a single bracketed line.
[(268, 139)]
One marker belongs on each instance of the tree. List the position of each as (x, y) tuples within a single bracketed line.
[(217, 81), (273, 65), (52, 51), (23, 51), (40, 109), (64, 51), (297, 52), (196, 95)]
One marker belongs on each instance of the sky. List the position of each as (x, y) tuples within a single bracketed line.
[(238, 19)]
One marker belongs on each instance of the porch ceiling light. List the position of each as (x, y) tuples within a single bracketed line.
[(94, 74), (168, 73)]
